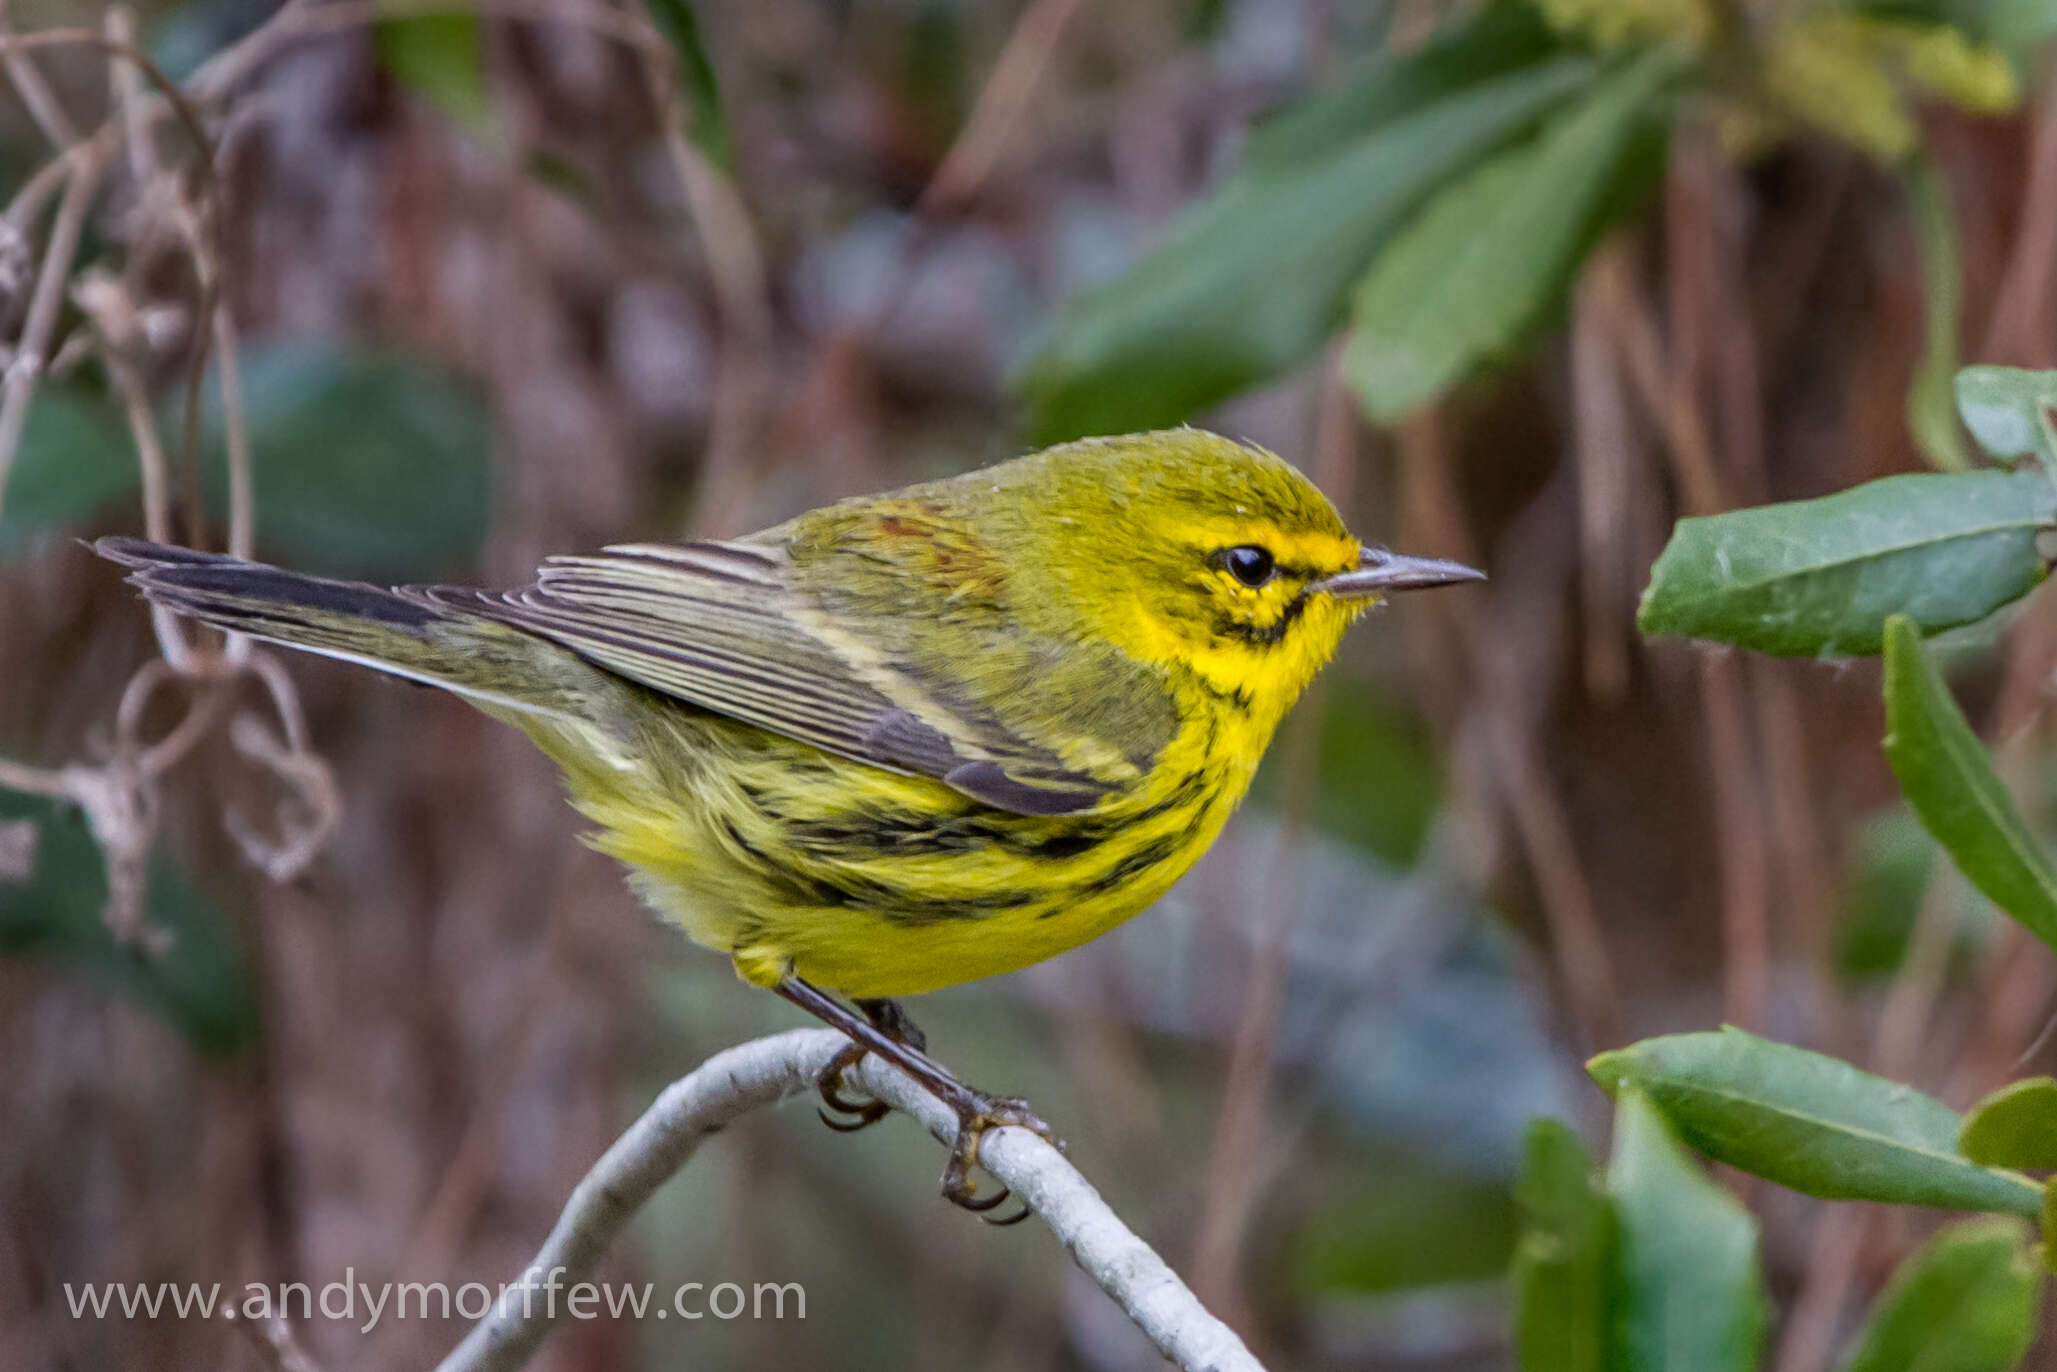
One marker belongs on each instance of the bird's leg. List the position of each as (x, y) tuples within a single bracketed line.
[(976, 1110)]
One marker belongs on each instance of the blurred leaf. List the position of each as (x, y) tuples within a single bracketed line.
[(442, 58), (200, 983), (367, 465), (1966, 1301), (2014, 23), (707, 124), (2008, 24), (1824, 68), (1931, 418), (1378, 89), (74, 458), (1565, 1260), (1687, 1291), (1253, 280), (1950, 785), (1943, 61), (1489, 254), (1811, 1122), (1613, 24), (1401, 1219), (1821, 576), (1895, 858), (2008, 410), (2015, 1126), (1881, 899)]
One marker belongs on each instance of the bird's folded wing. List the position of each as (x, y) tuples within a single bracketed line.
[(718, 625)]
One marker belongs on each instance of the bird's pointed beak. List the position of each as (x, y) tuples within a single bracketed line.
[(1380, 573)]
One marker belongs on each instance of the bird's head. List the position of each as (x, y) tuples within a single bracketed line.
[(1199, 553)]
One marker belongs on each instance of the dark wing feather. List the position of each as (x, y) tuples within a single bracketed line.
[(719, 625)]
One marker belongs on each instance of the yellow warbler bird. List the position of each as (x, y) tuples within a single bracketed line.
[(904, 741)]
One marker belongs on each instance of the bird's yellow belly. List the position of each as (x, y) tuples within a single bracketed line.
[(874, 884)]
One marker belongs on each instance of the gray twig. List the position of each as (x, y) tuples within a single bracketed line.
[(764, 1071)]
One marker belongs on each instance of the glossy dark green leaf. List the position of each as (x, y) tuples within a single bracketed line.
[(2009, 410), (1490, 253), (367, 465), (1966, 1301), (1811, 1122), (1687, 1290), (1254, 280), (74, 458), (200, 983), (2015, 1126), (1950, 785), (1564, 1263), (1820, 577), (1931, 417), (707, 122), (442, 58)]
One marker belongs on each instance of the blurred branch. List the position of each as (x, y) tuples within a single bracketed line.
[(275, 1345), (764, 1071), (736, 268), (31, 353), (1001, 103)]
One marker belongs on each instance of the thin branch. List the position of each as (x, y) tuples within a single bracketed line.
[(762, 1072), (1001, 104), (26, 367), (735, 267), (38, 99), (273, 1341)]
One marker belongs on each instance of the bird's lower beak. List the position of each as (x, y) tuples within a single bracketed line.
[(1380, 573)]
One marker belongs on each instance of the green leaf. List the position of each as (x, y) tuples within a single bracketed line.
[(1950, 785), (366, 465), (442, 58), (201, 983), (1253, 281), (1489, 254), (694, 71), (1502, 39), (2008, 410), (1687, 1290), (2015, 1126), (1563, 1264), (74, 458), (1966, 1301), (1821, 576), (1811, 1122), (1930, 417), (2017, 23)]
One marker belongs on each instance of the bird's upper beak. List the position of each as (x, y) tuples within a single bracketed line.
[(1379, 572)]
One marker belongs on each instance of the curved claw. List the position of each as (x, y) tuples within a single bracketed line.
[(829, 1085), (864, 1120), (980, 1204), (1016, 1218), (833, 1097)]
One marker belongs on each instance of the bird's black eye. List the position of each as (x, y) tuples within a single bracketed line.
[(1249, 564)]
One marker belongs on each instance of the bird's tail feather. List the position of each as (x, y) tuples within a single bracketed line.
[(408, 631)]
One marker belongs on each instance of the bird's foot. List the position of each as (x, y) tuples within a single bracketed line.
[(850, 1115), (977, 1113), (890, 1018)]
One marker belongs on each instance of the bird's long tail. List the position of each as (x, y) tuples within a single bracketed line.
[(409, 632)]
